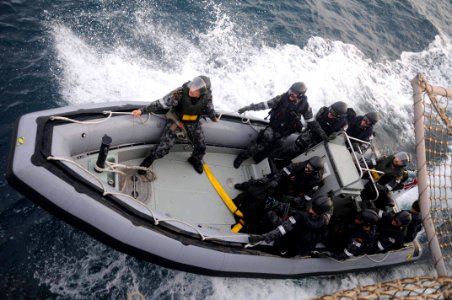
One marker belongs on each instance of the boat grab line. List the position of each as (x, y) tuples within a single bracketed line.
[(107, 112)]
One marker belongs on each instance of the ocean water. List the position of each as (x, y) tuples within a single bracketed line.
[(56, 53)]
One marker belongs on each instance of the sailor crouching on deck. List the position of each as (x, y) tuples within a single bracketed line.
[(392, 229), (416, 222), (186, 104), (393, 168), (302, 230), (362, 128), (293, 186), (345, 239)]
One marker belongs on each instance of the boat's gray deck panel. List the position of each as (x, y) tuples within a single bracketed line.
[(184, 194), (179, 191)]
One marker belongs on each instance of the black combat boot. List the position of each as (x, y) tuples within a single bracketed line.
[(147, 162), (196, 163), (238, 161), (242, 186)]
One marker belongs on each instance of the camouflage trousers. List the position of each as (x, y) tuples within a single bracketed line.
[(168, 138), (267, 139)]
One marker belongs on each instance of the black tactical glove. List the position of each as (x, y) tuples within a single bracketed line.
[(356, 146), (324, 137), (381, 188), (272, 184), (274, 218), (340, 256), (332, 136), (299, 203)]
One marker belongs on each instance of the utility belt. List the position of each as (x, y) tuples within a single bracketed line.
[(177, 127)]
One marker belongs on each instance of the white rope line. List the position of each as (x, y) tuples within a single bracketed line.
[(112, 166), (225, 236), (109, 170), (136, 201), (249, 245), (116, 112), (354, 258), (378, 261), (107, 112), (53, 118), (78, 165), (115, 165)]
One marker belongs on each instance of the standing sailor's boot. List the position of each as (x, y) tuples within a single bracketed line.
[(196, 163), (147, 162), (238, 160)]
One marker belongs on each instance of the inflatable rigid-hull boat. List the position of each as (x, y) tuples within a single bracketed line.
[(172, 216)]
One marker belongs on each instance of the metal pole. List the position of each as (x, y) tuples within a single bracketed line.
[(103, 152), (424, 189)]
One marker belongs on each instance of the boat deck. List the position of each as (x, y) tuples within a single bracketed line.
[(180, 192)]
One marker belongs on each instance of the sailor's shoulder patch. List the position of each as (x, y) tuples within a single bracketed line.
[(177, 92)]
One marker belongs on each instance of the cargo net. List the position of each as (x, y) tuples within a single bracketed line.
[(437, 127), (438, 149), (407, 289)]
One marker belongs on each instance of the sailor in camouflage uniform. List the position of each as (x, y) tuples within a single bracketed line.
[(286, 110), (186, 104)]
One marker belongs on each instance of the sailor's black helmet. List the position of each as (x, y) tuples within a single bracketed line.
[(404, 157), (321, 204), (373, 117), (339, 108), (404, 217), (369, 216), (298, 88), (316, 162), (206, 80), (201, 83)]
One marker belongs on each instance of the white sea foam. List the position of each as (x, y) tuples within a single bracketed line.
[(242, 72), (99, 272)]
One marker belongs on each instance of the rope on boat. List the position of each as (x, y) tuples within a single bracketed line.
[(378, 261), (78, 165), (107, 112)]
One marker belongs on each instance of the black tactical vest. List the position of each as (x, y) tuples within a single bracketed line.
[(187, 110), (355, 130), (285, 117), (329, 125)]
